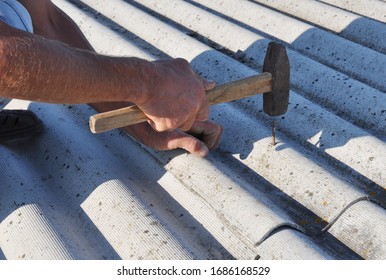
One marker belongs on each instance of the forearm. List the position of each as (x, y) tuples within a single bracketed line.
[(169, 92), (52, 23), (38, 69)]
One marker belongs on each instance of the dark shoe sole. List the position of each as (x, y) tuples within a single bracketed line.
[(18, 124)]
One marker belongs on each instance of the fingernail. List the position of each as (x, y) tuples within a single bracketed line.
[(204, 151)]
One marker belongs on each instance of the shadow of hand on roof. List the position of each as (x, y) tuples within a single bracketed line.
[(92, 189)]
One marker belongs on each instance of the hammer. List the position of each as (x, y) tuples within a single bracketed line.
[(274, 82)]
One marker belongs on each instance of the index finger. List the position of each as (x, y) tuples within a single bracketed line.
[(208, 132)]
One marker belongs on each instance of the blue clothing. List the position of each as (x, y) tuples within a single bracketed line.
[(14, 14)]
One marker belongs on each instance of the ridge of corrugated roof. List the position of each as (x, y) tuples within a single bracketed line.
[(370, 8)]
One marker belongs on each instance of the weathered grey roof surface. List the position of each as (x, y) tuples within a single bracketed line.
[(318, 194)]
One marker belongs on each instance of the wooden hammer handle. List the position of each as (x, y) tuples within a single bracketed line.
[(223, 93)]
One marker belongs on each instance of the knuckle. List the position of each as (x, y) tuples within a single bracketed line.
[(181, 61), (191, 144), (186, 126), (197, 107), (171, 124)]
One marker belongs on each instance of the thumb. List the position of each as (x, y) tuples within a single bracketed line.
[(208, 84), (179, 139)]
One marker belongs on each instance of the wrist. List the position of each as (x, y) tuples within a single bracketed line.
[(138, 80)]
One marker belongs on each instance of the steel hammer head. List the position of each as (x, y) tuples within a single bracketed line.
[(275, 102)]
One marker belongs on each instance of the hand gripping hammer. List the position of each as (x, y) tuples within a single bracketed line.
[(274, 82)]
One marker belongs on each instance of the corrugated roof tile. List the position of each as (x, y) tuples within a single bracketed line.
[(74, 195)]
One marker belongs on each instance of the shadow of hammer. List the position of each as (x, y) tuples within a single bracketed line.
[(274, 82)]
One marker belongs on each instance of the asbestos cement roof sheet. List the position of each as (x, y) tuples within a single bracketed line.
[(319, 193)]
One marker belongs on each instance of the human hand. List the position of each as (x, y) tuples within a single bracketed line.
[(176, 96), (202, 137)]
